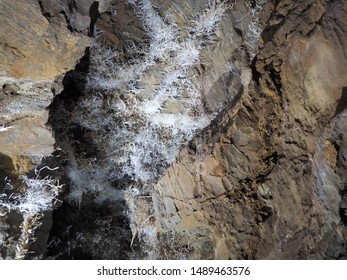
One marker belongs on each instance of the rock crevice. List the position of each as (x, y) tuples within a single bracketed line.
[(195, 129)]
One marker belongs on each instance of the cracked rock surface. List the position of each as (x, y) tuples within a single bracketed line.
[(42, 39), (265, 179), (40, 42)]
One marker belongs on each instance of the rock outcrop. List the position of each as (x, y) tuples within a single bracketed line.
[(44, 39), (156, 78), (40, 42), (190, 129), (267, 179)]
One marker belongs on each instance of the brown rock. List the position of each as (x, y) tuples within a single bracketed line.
[(282, 197), (37, 44)]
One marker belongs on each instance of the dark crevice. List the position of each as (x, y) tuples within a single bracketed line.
[(264, 213), (74, 83), (269, 31), (77, 223), (343, 204), (261, 178), (246, 181), (255, 74), (72, 6), (275, 77), (67, 20), (274, 158), (342, 104), (46, 14), (73, 225), (94, 15), (343, 215)]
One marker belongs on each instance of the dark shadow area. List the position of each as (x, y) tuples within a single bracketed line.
[(343, 204), (87, 229), (94, 231), (343, 215), (94, 15), (342, 104), (6, 168), (74, 83)]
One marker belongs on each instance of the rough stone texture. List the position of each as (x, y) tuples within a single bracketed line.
[(219, 84), (25, 142), (39, 41), (26, 139), (120, 24), (42, 39), (221, 87), (79, 15), (267, 180)]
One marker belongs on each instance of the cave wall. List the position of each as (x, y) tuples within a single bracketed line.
[(43, 39), (266, 180), (40, 42)]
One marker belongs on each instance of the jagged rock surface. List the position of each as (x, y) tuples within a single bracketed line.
[(267, 179), (215, 78), (40, 41), (43, 39)]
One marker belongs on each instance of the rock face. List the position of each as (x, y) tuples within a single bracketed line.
[(156, 78), (42, 39), (190, 129), (266, 180), (25, 137)]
